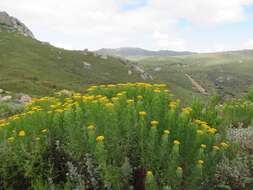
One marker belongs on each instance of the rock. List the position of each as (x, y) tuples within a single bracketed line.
[(157, 69), (66, 92), (11, 23), (86, 65), (23, 98), (104, 56), (5, 98), (1, 91), (130, 72)]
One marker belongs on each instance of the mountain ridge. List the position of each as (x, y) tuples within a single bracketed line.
[(133, 51)]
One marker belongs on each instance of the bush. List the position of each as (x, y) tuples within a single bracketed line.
[(235, 173), (121, 136), (238, 113), (9, 108)]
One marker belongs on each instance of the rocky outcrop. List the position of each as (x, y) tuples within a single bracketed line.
[(10, 23)]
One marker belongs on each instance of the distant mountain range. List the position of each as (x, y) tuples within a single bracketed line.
[(129, 52)]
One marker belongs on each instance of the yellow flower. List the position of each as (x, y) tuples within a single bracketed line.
[(204, 126), (21, 133), (100, 138), (149, 173), (203, 146), (91, 127), (154, 123), (109, 105), (44, 130), (120, 94), (173, 105), (216, 148), (200, 162), (157, 90), (224, 145), (142, 113), (59, 110), (167, 132), (200, 132), (130, 101), (179, 169), (187, 110), (115, 99), (212, 130), (139, 97), (11, 139), (176, 142)]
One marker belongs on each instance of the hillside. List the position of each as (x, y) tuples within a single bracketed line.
[(34, 67), (127, 52), (225, 73)]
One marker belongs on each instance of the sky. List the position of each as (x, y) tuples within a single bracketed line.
[(192, 25)]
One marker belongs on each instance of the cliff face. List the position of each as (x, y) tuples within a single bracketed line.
[(10, 23)]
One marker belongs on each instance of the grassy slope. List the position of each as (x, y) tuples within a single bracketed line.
[(29, 66), (228, 73)]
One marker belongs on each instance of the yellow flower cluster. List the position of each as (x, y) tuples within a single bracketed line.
[(187, 110), (173, 105), (154, 123), (142, 113), (167, 132), (149, 173), (204, 127), (100, 138), (176, 142)]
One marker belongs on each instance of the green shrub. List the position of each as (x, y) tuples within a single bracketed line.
[(238, 113), (115, 137)]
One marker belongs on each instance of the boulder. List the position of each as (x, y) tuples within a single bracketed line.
[(86, 65), (23, 98), (14, 23), (5, 98)]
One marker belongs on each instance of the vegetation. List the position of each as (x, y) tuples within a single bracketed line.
[(228, 74), (123, 136), (37, 68)]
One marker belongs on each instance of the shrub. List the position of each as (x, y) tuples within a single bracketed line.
[(238, 113), (235, 173), (9, 108), (115, 137)]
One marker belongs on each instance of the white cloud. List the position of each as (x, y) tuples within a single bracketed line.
[(248, 44), (101, 23)]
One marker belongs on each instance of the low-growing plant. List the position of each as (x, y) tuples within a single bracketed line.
[(9, 108), (238, 113), (122, 136)]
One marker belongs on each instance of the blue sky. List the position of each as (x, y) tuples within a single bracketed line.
[(196, 25)]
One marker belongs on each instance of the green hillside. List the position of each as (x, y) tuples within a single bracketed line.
[(226, 73), (33, 67)]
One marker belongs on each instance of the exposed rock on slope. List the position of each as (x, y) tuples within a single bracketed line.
[(10, 23)]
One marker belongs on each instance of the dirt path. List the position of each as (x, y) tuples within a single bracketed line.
[(197, 85)]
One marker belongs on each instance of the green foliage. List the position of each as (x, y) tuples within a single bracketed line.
[(37, 68), (227, 73), (123, 136), (250, 95), (9, 108), (238, 112)]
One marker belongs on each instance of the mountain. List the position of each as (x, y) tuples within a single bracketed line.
[(138, 52), (37, 68), (9, 23)]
